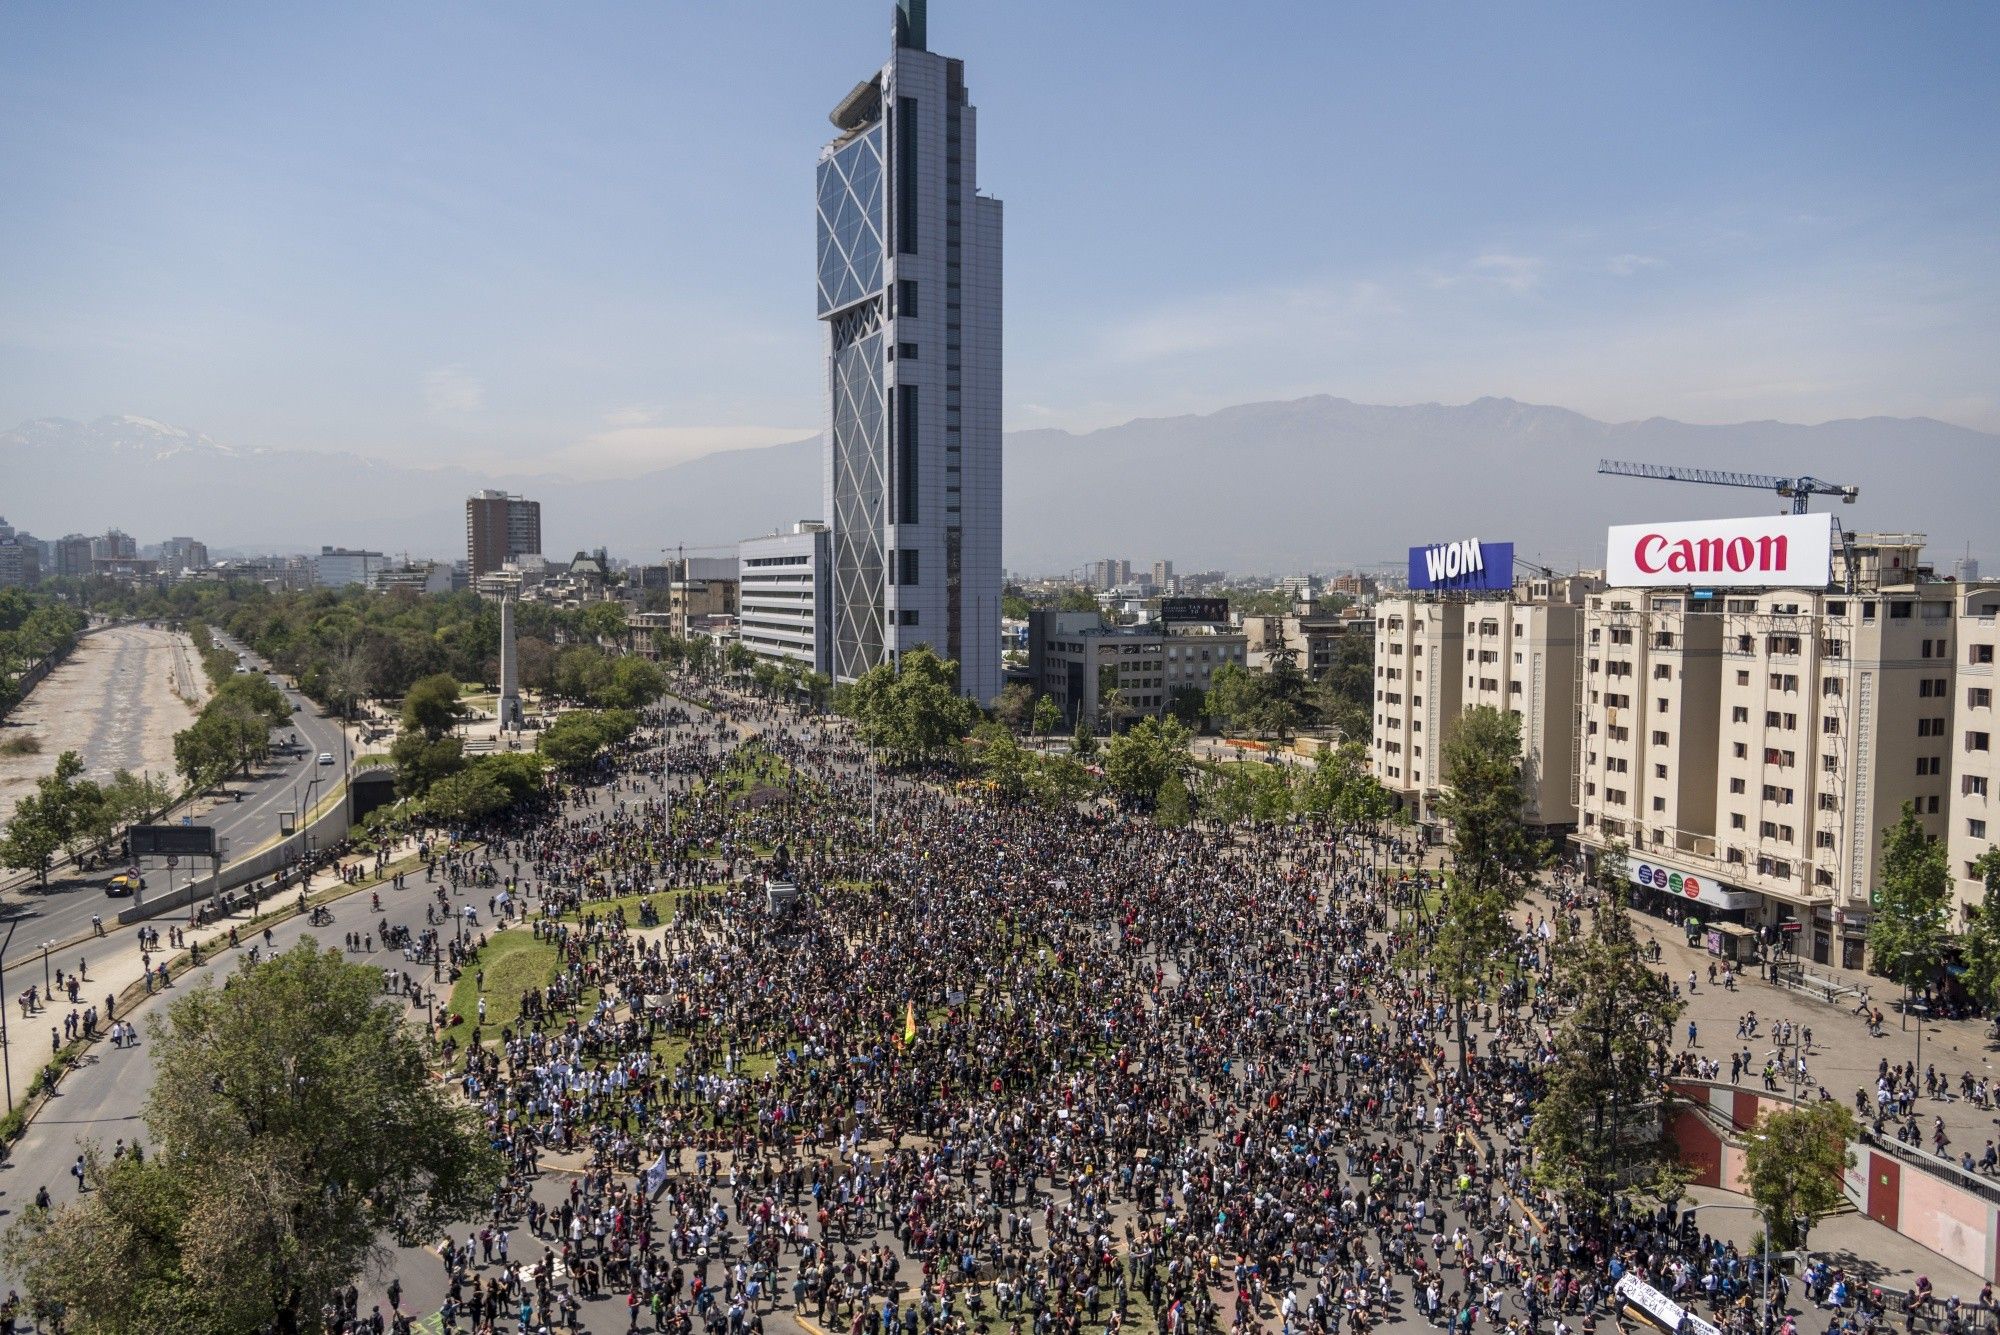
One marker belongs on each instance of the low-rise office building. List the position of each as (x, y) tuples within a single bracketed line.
[(1078, 661), (783, 612), (340, 568)]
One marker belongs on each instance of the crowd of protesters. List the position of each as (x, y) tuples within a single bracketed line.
[(1003, 1067)]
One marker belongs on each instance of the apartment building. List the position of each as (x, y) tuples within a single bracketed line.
[(1438, 656), (1975, 738), (1748, 745)]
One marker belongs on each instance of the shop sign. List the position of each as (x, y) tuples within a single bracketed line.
[(1686, 885)]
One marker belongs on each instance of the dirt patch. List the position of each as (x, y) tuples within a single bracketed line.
[(117, 702)]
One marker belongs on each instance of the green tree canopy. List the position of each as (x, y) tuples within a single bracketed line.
[(911, 712), (293, 1123), (1907, 935), (1795, 1160), (431, 708), (1140, 759)]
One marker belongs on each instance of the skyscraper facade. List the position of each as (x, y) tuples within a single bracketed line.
[(909, 298)]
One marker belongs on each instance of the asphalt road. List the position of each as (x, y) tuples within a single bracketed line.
[(63, 912)]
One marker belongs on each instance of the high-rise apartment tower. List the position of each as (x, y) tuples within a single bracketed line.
[(499, 528)]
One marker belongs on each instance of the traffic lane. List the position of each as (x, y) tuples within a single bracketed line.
[(104, 1098)]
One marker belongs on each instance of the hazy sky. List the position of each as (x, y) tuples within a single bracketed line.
[(579, 237)]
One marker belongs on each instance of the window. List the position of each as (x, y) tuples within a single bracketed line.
[(906, 560), (1823, 839), (1901, 612), (906, 296), (1828, 802), (1736, 786), (907, 617), (1659, 771), (1659, 739), (1736, 821), (1663, 704), (1979, 697), (907, 351), (906, 452), (1662, 672), (1975, 828), (906, 176), (1978, 741), (1742, 750), (1743, 678), (1974, 785), (1831, 686), (1740, 714), (1928, 765), (1980, 654)]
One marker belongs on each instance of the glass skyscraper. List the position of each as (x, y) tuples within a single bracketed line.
[(909, 297)]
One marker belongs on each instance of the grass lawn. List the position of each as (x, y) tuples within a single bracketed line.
[(514, 961), (666, 901)]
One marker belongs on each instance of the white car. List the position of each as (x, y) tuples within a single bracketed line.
[(326, 757)]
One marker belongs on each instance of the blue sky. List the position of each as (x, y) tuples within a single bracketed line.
[(579, 238)]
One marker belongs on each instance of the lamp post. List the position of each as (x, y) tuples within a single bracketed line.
[(1763, 1214), (47, 946), (1908, 995)]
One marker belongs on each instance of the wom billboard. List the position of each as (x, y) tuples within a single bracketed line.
[(1465, 564), (1734, 553)]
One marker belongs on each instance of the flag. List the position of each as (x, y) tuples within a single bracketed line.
[(910, 1024), (656, 1176)]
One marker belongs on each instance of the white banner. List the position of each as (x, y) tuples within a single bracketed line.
[(1792, 550), (1658, 1307)]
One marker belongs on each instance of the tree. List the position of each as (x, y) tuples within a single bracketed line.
[(1060, 781), (464, 797), (578, 738), (422, 761), (1795, 1160), (1188, 705), (34, 836), (911, 711), (630, 683), (1015, 704), (293, 1123), (605, 622), (1000, 758), (1982, 936), (1083, 742), (431, 707), (1231, 696), (1603, 1083), (1048, 716), (1493, 856), (1139, 760), (1170, 804), (1906, 937)]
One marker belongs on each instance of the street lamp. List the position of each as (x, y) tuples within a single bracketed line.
[(1907, 993), (47, 946), (1763, 1214)]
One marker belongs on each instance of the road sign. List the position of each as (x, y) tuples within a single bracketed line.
[(187, 820), (158, 840), (173, 860)]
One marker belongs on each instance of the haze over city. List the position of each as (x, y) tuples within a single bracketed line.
[(530, 243)]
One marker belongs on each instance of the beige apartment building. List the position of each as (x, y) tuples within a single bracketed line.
[(1748, 747), (1975, 738), (1437, 657)]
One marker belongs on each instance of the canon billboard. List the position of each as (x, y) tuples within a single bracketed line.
[(1732, 553)]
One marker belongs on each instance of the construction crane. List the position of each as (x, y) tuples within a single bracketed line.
[(1799, 489)]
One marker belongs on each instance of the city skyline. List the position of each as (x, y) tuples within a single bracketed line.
[(1709, 215)]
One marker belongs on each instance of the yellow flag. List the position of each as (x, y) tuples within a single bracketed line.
[(910, 1024)]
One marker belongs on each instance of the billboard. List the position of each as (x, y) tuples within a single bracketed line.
[(1173, 610), (1730, 553), (1465, 564), (151, 841)]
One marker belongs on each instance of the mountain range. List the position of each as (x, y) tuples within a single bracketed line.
[(1307, 484)]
